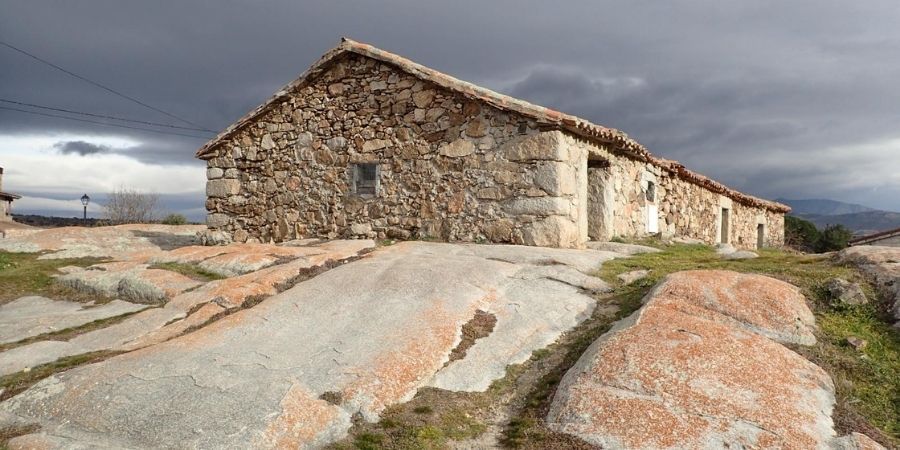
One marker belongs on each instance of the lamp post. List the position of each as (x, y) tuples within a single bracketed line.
[(84, 201)]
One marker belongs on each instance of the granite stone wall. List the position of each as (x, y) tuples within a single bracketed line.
[(618, 195), (448, 168)]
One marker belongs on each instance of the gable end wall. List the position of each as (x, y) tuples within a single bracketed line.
[(449, 168)]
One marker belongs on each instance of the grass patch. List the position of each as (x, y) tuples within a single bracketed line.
[(429, 421), (24, 274), (15, 383), (191, 271)]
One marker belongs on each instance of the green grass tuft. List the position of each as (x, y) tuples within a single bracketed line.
[(189, 270), (24, 274)]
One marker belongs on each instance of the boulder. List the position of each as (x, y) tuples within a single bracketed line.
[(845, 293), (694, 368), (882, 265), (634, 275), (740, 254)]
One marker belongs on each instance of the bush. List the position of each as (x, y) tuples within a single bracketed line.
[(174, 219), (800, 234), (833, 238), (126, 205), (803, 235)]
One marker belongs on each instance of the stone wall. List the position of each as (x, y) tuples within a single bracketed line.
[(5, 211), (449, 168), (683, 208)]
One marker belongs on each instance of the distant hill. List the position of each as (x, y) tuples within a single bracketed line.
[(860, 219), (860, 223), (823, 207)]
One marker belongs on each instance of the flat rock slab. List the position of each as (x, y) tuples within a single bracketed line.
[(242, 258), (158, 324), (128, 280), (620, 247), (696, 368), (32, 316), (370, 332), (136, 242)]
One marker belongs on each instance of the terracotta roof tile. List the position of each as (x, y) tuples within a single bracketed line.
[(545, 116)]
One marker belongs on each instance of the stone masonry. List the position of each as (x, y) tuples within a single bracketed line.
[(452, 162)]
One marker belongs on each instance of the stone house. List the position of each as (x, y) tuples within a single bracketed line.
[(889, 238), (6, 200), (369, 144)]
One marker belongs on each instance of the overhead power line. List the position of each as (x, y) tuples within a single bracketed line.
[(102, 116), (6, 108), (105, 88)]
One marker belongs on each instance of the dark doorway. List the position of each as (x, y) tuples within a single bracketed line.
[(723, 237), (599, 199), (760, 236)]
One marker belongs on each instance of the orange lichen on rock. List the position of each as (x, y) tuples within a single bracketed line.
[(764, 305), (394, 376), (694, 369), (302, 420)]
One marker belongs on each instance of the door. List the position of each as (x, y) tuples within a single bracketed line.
[(652, 209), (723, 237), (760, 236)]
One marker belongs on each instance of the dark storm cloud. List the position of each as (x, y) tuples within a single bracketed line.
[(80, 148), (771, 97)]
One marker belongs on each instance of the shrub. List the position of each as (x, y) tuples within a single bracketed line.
[(174, 219), (833, 237), (800, 234)]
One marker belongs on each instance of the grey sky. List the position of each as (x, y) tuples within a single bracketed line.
[(780, 99)]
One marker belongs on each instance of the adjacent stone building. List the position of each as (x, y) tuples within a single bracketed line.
[(369, 144), (6, 200)]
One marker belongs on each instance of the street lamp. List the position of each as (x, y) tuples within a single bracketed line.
[(84, 201)]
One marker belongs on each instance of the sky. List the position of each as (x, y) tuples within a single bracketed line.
[(778, 99)]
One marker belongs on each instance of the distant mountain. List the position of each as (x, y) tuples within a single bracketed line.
[(823, 207), (862, 223), (860, 219)]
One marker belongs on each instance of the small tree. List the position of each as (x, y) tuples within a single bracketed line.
[(833, 238), (125, 205), (174, 219), (801, 234)]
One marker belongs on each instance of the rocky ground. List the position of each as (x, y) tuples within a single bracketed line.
[(354, 344)]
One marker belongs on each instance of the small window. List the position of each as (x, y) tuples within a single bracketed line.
[(365, 179), (651, 191)]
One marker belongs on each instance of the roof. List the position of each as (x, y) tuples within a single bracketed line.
[(544, 116), (875, 237), (8, 196)]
